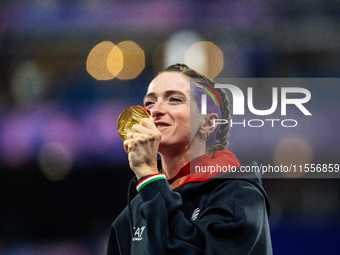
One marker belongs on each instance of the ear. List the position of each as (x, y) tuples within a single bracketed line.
[(208, 126)]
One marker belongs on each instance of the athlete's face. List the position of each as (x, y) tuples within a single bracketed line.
[(168, 99)]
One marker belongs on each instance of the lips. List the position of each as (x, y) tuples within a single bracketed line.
[(160, 124)]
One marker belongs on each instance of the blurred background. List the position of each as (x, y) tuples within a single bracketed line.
[(68, 68)]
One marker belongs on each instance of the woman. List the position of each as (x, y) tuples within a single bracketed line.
[(175, 213)]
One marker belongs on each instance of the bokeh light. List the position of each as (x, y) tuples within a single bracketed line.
[(205, 57), (97, 61), (55, 161), (115, 61), (197, 57), (28, 83), (177, 46), (133, 60), (17, 139), (186, 46), (293, 150)]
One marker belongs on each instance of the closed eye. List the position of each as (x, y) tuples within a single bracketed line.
[(175, 99), (148, 103)]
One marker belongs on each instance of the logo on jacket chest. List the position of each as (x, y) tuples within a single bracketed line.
[(195, 214), (138, 233)]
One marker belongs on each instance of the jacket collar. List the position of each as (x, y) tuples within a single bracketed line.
[(197, 168)]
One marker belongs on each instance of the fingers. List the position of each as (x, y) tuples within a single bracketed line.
[(142, 145), (130, 135), (146, 126), (141, 133), (128, 146)]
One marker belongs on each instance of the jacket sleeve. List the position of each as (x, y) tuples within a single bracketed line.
[(233, 221)]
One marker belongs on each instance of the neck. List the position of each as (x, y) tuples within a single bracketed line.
[(173, 160), (172, 163)]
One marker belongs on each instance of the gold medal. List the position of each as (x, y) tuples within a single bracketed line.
[(129, 117)]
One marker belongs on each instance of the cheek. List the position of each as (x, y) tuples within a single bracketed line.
[(195, 120), (182, 122), (180, 115)]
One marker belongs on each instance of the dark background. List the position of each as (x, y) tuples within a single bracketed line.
[(63, 171)]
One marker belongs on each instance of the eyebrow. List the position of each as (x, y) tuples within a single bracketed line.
[(167, 94)]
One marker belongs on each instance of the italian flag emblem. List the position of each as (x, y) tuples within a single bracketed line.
[(195, 214)]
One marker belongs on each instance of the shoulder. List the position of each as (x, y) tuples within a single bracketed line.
[(233, 194), (232, 189)]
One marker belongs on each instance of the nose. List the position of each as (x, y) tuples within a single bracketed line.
[(157, 110)]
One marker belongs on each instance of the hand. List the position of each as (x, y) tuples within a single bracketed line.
[(142, 146)]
